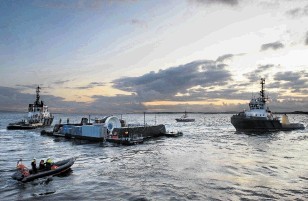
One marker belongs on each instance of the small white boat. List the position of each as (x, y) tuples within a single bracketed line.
[(185, 118)]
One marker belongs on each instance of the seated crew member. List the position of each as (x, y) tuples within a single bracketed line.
[(42, 165), (49, 163), (33, 165)]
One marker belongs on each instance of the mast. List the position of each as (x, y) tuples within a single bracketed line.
[(37, 101), (262, 94)]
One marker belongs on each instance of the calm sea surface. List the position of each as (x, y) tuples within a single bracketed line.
[(210, 162)]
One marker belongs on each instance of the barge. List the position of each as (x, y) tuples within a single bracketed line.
[(109, 129)]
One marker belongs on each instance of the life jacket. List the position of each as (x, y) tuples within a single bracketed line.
[(23, 169), (49, 161)]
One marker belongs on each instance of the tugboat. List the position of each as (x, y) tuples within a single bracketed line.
[(260, 119), (185, 118), (38, 116)]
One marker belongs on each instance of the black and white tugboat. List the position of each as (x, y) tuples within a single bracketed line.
[(260, 119), (185, 118), (38, 116)]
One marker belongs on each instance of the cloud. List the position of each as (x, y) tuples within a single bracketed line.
[(224, 57), (261, 71), (86, 5), (78, 4), (298, 12), (91, 85), (139, 23), (273, 46), (61, 82), (225, 2), (118, 104), (13, 99), (29, 86), (165, 84), (297, 81)]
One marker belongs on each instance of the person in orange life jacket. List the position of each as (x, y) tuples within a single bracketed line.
[(23, 169), (33, 165)]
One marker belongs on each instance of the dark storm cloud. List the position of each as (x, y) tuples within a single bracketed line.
[(225, 2), (165, 84), (274, 46)]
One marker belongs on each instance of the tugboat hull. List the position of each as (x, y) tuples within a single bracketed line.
[(261, 125), (29, 126), (20, 127)]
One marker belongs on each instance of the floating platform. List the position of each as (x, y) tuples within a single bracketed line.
[(111, 129)]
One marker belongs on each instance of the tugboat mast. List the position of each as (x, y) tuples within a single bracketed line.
[(262, 95), (37, 101)]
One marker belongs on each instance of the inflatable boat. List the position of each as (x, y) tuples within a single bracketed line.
[(22, 174)]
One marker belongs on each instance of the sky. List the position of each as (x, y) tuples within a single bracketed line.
[(127, 56)]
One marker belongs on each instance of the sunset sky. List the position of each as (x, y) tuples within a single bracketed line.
[(154, 55)]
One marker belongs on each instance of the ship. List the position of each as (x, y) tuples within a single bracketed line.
[(259, 118), (185, 118), (38, 116)]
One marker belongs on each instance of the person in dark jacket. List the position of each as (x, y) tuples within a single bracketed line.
[(49, 163), (33, 165), (42, 165)]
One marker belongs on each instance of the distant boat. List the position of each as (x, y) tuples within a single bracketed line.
[(38, 116), (185, 118), (260, 118)]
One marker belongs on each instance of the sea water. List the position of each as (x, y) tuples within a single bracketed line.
[(209, 162)]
